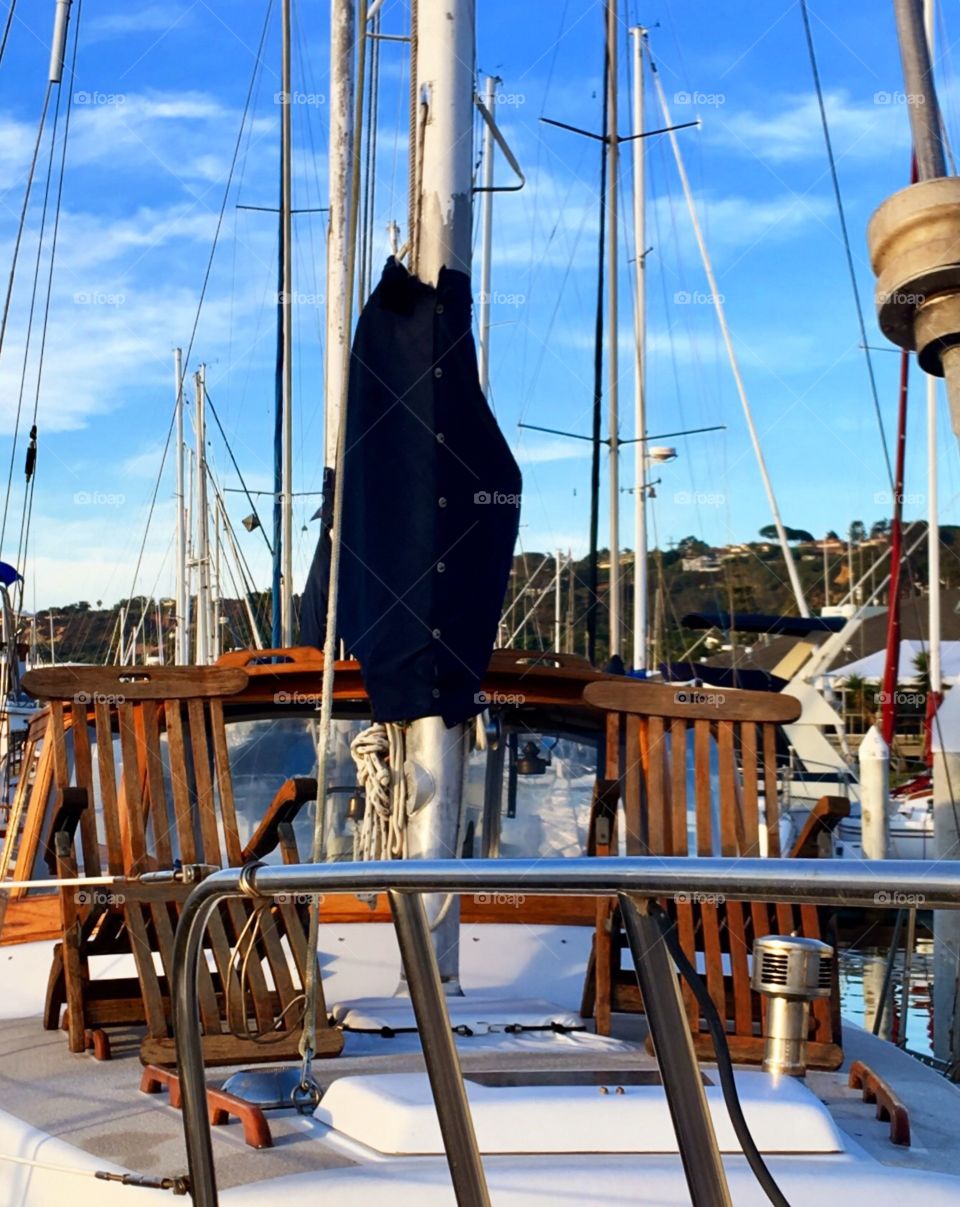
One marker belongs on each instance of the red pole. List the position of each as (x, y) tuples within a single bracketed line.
[(888, 714), (888, 695)]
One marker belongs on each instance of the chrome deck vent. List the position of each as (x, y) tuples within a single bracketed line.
[(790, 972)]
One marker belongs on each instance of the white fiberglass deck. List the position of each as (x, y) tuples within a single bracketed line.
[(74, 1112)]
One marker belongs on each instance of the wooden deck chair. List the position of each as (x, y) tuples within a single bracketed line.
[(166, 800), (731, 737)]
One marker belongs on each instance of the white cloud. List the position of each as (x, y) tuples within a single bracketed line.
[(735, 221), (187, 135), (790, 130), (542, 452), (157, 18)]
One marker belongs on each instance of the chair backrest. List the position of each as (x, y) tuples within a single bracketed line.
[(158, 769), (698, 774), (728, 739)]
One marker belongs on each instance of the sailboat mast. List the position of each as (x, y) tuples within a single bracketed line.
[(593, 576), (443, 183), (286, 215), (640, 588), (202, 520), (486, 236), (613, 390), (342, 41), (180, 634)]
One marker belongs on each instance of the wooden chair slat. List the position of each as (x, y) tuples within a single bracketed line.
[(678, 786), (239, 915), (771, 803), (658, 805), (279, 967), (701, 783), (149, 982), (728, 785), (131, 811), (73, 970), (159, 814), (221, 760), (687, 935), (713, 954), (107, 774), (633, 778), (204, 781), (751, 814), (179, 785), (235, 1007), (83, 775)]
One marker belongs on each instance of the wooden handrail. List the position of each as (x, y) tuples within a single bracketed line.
[(284, 807), (125, 684), (638, 698)]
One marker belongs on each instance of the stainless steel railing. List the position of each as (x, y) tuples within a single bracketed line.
[(635, 881)]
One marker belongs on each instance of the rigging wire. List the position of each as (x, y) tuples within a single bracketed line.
[(30, 465), (845, 234), (258, 63), (6, 27), (233, 462), (20, 228), (34, 290)]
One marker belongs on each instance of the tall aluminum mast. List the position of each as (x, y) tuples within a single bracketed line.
[(640, 587)]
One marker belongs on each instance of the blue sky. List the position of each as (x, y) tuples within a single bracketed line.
[(158, 98)]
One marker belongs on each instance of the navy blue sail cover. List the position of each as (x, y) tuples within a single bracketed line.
[(431, 506)]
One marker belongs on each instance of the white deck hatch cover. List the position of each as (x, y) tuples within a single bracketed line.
[(482, 1015), (394, 1114)]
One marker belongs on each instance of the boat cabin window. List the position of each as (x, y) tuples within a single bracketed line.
[(266, 751), (538, 792)]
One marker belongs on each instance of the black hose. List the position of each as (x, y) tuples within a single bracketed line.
[(724, 1064)]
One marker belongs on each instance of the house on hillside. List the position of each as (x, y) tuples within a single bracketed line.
[(853, 679), (704, 563)]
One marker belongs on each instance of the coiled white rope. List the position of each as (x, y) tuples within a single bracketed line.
[(379, 753)]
